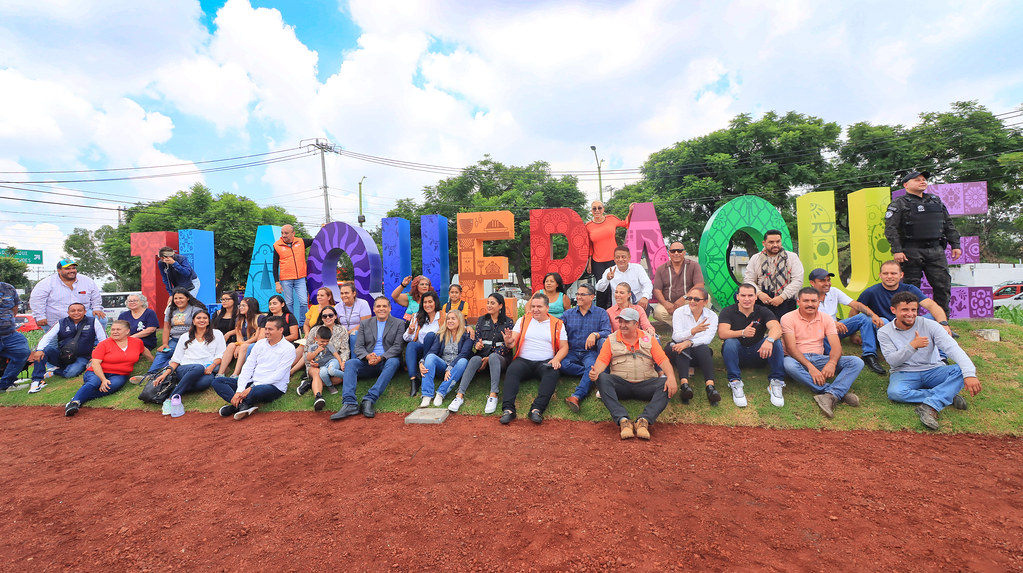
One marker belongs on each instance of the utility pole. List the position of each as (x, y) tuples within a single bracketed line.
[(362, 218), (323, 168), (600, 180)]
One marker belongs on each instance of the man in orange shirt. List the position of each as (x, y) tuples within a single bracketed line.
[(290, 270), (633, 376)]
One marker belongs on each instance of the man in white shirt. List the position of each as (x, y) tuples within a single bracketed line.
[(265, 376), (540, 343), (910, 346), (777, 274), (625, 272), (51, 296), (866, 322)]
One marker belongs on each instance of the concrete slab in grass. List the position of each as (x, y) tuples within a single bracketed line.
[(427, 416)]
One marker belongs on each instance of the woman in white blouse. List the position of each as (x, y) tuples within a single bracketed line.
[(197, 356), (693, 328)]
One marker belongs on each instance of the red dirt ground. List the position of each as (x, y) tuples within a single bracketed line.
[(127, 490)]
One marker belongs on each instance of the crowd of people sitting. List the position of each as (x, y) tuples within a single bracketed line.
[(248, 354)]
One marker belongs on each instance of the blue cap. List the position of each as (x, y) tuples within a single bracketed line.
[(66, 263)]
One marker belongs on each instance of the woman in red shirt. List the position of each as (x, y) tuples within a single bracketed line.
[(112, 362), (601, 229)]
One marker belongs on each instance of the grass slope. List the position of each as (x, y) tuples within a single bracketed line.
[(996, 410)]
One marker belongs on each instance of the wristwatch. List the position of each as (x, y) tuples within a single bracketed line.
[(769, 339), (943, 322)]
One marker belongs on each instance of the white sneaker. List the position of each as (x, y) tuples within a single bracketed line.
[(438, 399), (36, 386), (426, 402), (774, 387), (456, 404), (242, 414), (738, 396), (491, 406)]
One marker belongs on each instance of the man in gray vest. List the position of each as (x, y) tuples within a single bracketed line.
[(633, 356), (918, 226)]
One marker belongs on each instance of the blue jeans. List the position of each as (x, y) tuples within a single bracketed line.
[(845, 374), (333, 368), (734, 355), (226, 387), (90, 387), (579, 363), (355, 369), (935, 387), (162, 359), (295, 291), (868, 332), (192, 378), (434, 365), (53, 357), (13, 347), (414, 352)]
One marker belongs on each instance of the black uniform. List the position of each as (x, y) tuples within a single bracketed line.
[(920, 227)]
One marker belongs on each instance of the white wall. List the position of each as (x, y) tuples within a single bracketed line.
[(986, 274)]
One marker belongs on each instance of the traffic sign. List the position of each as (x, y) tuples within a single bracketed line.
[(30, 257)]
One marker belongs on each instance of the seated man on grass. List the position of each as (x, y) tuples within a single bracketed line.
[(540, 344), (377, 353), (911, 348), (804, 331), (265, 376), (865, 321), (751, 336), (67, 347), (633, 356)]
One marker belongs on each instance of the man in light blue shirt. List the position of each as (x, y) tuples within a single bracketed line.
[(52, 296)]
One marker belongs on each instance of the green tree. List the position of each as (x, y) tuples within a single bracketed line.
[(492, 186), (232, 218), (772, 157), (13, 271), (83, 246)]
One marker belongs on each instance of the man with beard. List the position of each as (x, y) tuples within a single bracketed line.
[(777, 274)]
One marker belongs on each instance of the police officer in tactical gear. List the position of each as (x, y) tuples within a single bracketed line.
[(918, 226)]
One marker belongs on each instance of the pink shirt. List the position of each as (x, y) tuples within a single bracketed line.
[(614, 311), (809, 334)]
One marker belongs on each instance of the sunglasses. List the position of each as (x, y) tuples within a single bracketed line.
[(596, 209), (676, 250), (325, 315), (695, 298)]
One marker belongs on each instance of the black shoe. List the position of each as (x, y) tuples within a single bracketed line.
[(871, 362), (304, 386), (507, 417), (712, 395), (959, 403), (227, 410), (345, 411), (535, 416), (319, 403), (72, 407), (413, 386), (685, 392), (367, 409)]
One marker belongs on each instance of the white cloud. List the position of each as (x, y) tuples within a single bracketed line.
[(219, 93)]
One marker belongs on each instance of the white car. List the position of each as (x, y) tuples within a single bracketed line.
[(1011, 301)]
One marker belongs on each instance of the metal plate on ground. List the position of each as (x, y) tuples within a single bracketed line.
[(427, 416)]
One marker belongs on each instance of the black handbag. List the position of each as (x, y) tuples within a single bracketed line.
[(154, 392), (68, 353)]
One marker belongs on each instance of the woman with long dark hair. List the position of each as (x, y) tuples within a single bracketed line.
[(197, 356), (554, 288), (224, 319), (278, 307), (490, 352), (422, 330), (246, 328), (177, 321)]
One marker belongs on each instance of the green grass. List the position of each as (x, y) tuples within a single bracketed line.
[(997, 410)]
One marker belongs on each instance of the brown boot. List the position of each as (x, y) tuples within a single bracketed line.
[(826, 402), (851, 399), (643, 429), (626, 426)]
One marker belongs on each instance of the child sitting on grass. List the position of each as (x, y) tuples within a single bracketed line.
[(320, 356)]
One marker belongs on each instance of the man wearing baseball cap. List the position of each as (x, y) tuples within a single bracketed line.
[(918, 226), (866, 322), (633, 356), (52, 296)]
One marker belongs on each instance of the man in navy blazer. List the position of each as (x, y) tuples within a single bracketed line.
[(377, 352)]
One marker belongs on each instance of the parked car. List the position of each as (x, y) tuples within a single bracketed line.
[(1008, 290), (114, 305), (25, 322), (1009, 301)]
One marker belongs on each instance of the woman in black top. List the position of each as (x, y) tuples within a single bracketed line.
[(224, 319), (489, 349), (278, 307)]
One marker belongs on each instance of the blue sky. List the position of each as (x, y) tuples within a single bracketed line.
[(99, 84)]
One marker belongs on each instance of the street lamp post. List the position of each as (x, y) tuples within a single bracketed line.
[(600, 180)]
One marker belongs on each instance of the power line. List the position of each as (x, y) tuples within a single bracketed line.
[(113, 169)]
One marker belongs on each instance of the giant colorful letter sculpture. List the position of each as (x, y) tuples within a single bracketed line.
[(751, 215), (147, 247), (198, 247), (325, 251), (436, 261), (260, 282), (396, 236), (644, 234), (543, 223), (473, 267)]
